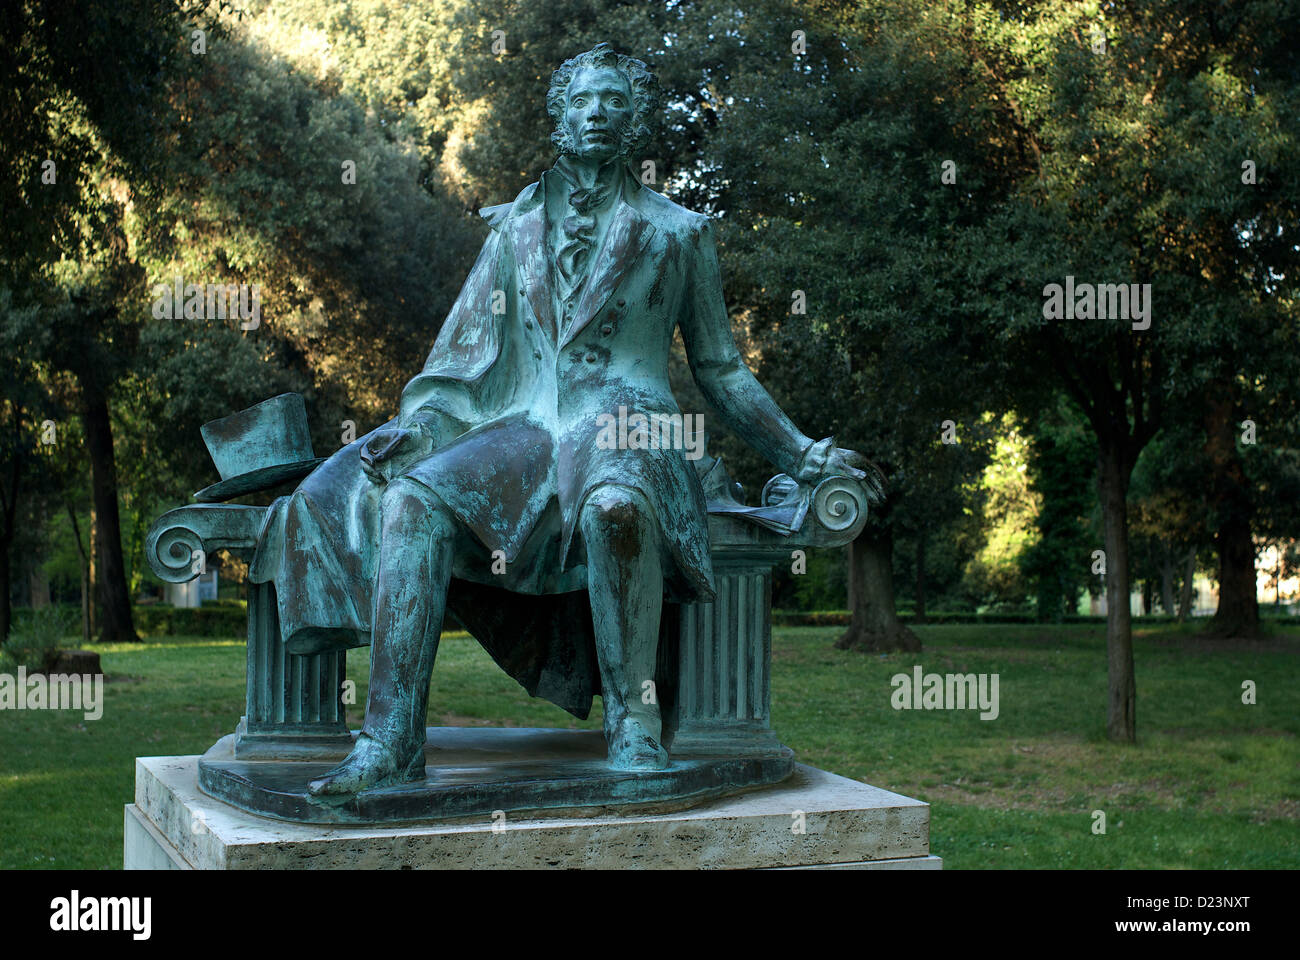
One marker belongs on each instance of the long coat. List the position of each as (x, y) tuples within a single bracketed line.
[(517, 391)]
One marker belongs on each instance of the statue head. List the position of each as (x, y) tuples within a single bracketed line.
[(603, 105)]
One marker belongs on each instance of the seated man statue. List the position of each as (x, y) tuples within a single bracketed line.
[(498, 472)]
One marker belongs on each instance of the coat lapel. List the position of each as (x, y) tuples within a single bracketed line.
[(532, 256), (626, 238)]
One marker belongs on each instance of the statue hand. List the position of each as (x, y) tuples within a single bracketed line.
[(823, 460), (391, 451)]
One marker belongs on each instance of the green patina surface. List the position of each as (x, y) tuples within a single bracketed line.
[(496, 492)]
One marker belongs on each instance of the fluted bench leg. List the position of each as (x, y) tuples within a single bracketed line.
[(295, 703), (724, 701)]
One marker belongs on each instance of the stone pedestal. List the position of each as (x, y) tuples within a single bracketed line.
[(813, 819), (473, 773)]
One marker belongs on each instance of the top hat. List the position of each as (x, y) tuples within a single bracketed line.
[(258, 448)]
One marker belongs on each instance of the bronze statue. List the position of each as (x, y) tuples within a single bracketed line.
[(496, 495)]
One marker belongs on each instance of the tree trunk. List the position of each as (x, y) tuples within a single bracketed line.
[(1189, 583), (85, 574), (1113, 474), (920, 578), (1238, 613), (39, 588), (85, 605), (1231, 507), (6, 611), (91, 580), (9, 503), (1167, 583), (114, 601), (875, 625)]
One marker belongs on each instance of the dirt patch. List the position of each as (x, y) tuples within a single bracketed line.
[(1282, 810)]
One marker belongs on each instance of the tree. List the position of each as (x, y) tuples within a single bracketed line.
[(831, 163), (1062, 456), (274, 179), (292, 186), (1137, 122), (20, 423), (85, 103)]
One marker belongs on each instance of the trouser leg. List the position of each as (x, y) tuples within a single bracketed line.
[(410, 599), (625, 580)]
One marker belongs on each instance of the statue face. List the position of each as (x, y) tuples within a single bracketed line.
[(598, 108)]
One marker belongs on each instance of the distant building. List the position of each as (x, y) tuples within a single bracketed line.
[(1269, 587), (192, 594)]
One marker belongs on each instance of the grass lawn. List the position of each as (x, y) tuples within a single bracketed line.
[(1212, 782)]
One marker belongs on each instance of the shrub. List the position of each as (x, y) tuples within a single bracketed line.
[(35, 643), (206, 621)]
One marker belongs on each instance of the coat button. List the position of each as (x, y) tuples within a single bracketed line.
[(590, 358), (537, 354), (528, 324), (607, 329), (622, 303), (521, 291)]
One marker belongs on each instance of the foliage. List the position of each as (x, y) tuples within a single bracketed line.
[(206, 621), (36, 642), (1061, 471), (1010, 508)]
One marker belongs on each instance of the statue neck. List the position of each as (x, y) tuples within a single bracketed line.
[(587, 174)]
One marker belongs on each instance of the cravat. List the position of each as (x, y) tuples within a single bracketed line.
[(579, 229)]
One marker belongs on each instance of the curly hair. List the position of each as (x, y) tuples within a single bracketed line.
[(644, 85)]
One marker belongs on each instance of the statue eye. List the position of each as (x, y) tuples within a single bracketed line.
[(617, 103), (579, 101)]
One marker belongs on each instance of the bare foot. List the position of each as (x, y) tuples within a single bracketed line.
[(632, 748), (369, 765)]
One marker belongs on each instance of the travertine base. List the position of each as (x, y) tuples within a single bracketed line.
[(813, 819)]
